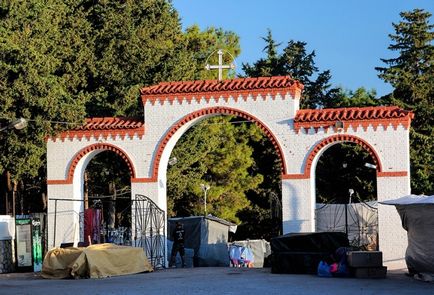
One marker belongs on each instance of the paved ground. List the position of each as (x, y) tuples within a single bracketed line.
[(214, 280)]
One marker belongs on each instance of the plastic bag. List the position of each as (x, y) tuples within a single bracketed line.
[(324, 269)]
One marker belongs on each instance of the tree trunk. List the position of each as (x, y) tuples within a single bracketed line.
[(112, 206), (4, 204), (44, 201), (14, 197)]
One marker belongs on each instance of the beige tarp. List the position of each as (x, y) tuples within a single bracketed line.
[(95, 261)]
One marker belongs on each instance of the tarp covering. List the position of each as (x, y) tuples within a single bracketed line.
[(95, 261), (301, 252), (260, 248), (208, 238), (417, 216), (309, 242), (410, 200), (58, 262)]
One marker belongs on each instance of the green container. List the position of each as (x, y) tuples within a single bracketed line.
[(36, 245)]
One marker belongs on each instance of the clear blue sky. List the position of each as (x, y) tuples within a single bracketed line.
[(348, 36)]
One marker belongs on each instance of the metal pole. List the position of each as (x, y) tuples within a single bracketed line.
[(55, 222), (346, 219), (205, 199)]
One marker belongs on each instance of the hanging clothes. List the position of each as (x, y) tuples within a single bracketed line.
[(92, 226), (88, 228), (96, 226)]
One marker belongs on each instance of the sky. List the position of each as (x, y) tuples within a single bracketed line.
[(349, 36)]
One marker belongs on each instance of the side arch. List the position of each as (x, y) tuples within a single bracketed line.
[(99, 146), (215, 111), (341, 138)]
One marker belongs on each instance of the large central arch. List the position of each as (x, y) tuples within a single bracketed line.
[(272, 103), (188, 120)]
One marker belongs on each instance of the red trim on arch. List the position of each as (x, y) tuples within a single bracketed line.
[(294, 176), (61, 181), (210, 111), (88, 149), (341, 138), (392, 174), (143, 180)]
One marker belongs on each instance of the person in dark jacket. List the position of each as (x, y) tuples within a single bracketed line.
[(178, 244)]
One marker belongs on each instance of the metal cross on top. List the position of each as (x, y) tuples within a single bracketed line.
[(220, 66)]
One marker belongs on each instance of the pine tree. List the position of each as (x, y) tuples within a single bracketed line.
[(411, 74), (217, 153), (296, 62), (64, 60), (43, 59)]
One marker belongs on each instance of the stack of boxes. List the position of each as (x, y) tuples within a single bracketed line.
[(366, 264)]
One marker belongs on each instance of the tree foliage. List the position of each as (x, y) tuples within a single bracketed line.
[(360, 97), (216, 153), (203, 46), (298, 63), (411, 74), (64, 60), (140, 42), (43, 59), (341, 168), (332, 184), (263, 218)]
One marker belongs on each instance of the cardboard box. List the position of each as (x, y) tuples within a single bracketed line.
[(369, 272), (365, 258)]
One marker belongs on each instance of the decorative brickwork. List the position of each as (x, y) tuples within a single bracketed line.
[(343, 138), (105, 127), (85, 151), (244, 87), (364, 117), (215, 111), (272, 103)]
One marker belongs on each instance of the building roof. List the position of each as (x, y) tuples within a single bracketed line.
[(106, 126), (353, 116), (111, 123), (237, 86)]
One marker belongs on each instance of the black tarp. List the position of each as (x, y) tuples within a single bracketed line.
[(309, 242), (301, 252)]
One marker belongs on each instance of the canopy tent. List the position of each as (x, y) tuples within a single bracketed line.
[(207, 236), (417, 216)]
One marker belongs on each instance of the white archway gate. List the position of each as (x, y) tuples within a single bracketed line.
[(299, 136)]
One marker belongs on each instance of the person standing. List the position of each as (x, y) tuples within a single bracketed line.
[(178, 244)]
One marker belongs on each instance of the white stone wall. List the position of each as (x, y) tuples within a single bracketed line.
[(297, 213), (160, 118), (63, 225), (277, 114), (392, 237)]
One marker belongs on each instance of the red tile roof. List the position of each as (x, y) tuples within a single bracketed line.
[(364, 116), (185, 89), (111, 123), (107, 126)]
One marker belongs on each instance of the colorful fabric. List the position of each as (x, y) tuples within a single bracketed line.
[(88, 229)]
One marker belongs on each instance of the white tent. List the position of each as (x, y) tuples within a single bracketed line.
[(417, 216)]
